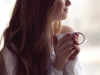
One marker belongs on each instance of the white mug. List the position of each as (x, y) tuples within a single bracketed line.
[(81, 36)]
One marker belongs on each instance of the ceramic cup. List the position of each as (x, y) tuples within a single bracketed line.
[(81, 36)]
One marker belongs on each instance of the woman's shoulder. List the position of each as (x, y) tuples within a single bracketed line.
[(66, 29)]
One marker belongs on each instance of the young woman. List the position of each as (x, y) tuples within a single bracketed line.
[(30, 45)]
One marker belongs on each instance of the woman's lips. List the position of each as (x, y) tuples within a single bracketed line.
[(66, 10)]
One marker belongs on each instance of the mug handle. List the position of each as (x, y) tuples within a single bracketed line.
[(83, 37)]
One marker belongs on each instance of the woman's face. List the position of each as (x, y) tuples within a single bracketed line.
[(61, 10)]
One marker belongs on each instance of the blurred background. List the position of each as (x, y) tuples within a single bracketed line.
[(83, 16)]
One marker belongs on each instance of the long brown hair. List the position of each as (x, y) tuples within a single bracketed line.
[(31, 32)]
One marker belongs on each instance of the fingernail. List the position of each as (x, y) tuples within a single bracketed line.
[(76, 34), (68, 34)]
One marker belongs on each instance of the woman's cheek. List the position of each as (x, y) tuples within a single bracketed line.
[(60, 6), (59, 11)]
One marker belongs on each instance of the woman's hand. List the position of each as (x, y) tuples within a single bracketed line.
[(77, 48), (63, 51)]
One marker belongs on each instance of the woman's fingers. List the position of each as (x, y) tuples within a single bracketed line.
[(77, 48), (77, 34), (62, 40), (68, 54), (76, 41), (67, 49), (67, 43)]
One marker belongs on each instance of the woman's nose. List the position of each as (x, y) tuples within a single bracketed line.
[(68, 3)]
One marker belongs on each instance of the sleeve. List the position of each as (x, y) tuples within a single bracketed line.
[(10, 62), (50, 69), (53, 71), (73, 67)]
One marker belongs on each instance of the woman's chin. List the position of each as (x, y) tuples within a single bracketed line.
[(61, 18), (65, 17)]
